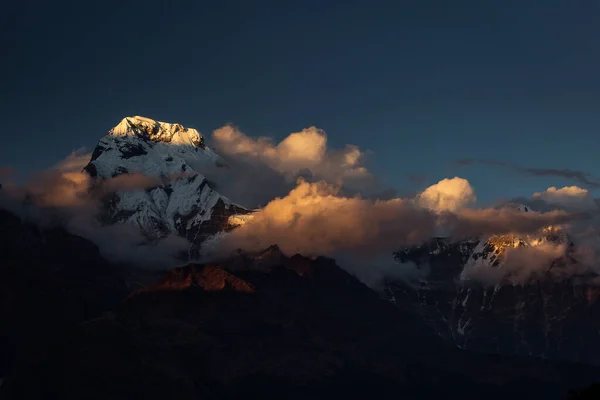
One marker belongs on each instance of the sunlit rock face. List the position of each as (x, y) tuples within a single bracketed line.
[(182, 202), (210, 278), (476, 295)]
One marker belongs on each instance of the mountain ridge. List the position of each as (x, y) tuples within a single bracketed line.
[(304, 332), (548, 315), (184, 204)]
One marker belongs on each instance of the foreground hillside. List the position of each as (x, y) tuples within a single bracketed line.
[(260, 325)]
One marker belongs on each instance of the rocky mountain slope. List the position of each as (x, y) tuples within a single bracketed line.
[(265, 325), (259, 325), (182, 201), (546, 316), (50, 280)]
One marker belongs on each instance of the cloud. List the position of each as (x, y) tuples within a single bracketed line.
[(129, 182), (582, 178), (521, 265), (447, 195), (124, 243), (249, 184), (553, 258), (569, 197), (319, 213), (65, 196), (481, 222), (278, 166), (375, 269), (74, 162), (315, 219)]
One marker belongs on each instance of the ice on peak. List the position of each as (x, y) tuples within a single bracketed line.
[(183, 203), (130, 125), (158, 131), (142, 119)]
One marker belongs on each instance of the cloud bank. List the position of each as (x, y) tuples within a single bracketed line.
[(314, 201), (304, 150), (65, 196), (314, 219), (582, 178), (521, 265), (447, 195), (568, 197), (261, 170), (563, 251)]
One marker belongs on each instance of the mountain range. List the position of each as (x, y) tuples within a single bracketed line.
[(259, 325), (268, 324), (546, 315)]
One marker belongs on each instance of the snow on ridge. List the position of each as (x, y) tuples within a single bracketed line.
[(157, 130), (184, 204), (153, 148)]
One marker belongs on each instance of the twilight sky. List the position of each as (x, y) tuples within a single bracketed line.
[(422, 84)]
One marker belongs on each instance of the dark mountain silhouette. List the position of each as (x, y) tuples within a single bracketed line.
[(546, 317), (50, 280), (258, 325)]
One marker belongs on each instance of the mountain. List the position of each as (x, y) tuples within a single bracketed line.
[(50, 280), (546, 315), (182, 201), (268, 326), (72, 324)]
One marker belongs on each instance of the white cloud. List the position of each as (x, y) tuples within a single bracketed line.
[(447, 195), (66, 195), (315, 219), (570, 197), (298, 152)]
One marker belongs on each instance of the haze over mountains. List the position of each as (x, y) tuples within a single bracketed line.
[(518, 278), (164, 181)]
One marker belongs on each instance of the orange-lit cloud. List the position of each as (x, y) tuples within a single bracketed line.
[(69, 197), (521, 265), (316, 217), (74, 162), (571, 197), (447, 195), (300, 151), (313, 219)]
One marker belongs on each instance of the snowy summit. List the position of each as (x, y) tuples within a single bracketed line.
[(182, 201)]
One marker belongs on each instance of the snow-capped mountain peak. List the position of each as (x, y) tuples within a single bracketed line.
[(473, 256), (153, 148), (156, 131), (184, 203), (490, 251)]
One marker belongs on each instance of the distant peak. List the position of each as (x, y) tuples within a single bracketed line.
[(524, 208), (516, 206)]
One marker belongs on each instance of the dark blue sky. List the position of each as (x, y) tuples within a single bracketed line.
[(420, 83)]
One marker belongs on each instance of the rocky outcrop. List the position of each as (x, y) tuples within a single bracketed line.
[(50, 280), (542, 317), (214, 331)]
